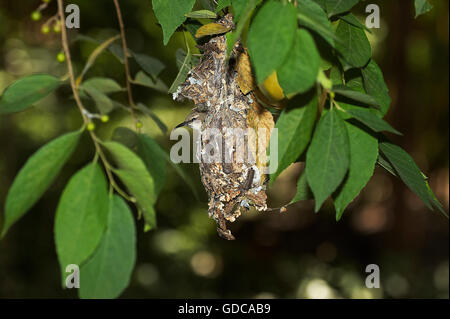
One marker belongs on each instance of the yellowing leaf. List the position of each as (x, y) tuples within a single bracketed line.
[(211, 29), (272, 89), (257, 118), (245, 76)]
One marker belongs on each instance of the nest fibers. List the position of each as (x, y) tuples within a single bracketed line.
[(223, 89)]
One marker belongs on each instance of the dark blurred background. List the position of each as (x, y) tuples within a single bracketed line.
[(298, 254)]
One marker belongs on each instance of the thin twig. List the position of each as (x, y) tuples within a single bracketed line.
[(65, 45), (125, 60), (99, 152)]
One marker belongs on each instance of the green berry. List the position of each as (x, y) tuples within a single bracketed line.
[(36, 15), (61, 57), (90, 126), (104, 118), (45, 29), (57, 28), (139, 124)]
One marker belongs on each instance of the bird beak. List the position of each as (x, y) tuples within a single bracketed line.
[(181, 125)]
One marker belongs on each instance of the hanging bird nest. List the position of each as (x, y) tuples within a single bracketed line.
[(223, 88)]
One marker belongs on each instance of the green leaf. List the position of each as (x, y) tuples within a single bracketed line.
[(171, 14), (303, 190), (370, 119), (351, 19), (222, 4), (96, 53), (243, 11), (407, 170), (149, 64), (133, 173), (36, 176), (183, 72), (201, 14), (339, 6), (357, 96), (103, 103), (103, 85), (354, 47), (81, 216), (294, 131), (25, 91), (144, 109), (363, 155), (144, 80), (328, 157), (312, 16), (107, 273), (422, 6), (299, 71), (241, 7), (148, 150), (270, 37), (375, 85)]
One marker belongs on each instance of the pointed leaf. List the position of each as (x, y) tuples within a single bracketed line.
[(375, 85), (107, 273), (303, 190), (81, 216), (407, 170), (103, 85), (170, 14), (422, 6), (363, 155), (211, 29), (201, 14), (312, 16), (133, 173), (294, 131), (354, 47), (37, 175), (103, 103), (339, 6), (371, 120), (357, 96), (25, 91), (328, 157), (299, 71), (149, 64)]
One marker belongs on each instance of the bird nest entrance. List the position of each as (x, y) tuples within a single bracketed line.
[(234, 130)]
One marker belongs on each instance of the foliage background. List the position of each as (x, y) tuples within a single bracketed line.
[(297, 254)]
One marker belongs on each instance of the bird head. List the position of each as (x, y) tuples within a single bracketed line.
[(194, 119)]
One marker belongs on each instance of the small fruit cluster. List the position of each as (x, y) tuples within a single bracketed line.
[(52, 23)]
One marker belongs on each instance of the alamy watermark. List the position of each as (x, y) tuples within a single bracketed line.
[(226, 145)]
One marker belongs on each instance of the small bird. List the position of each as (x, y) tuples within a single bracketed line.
[(194, 119)]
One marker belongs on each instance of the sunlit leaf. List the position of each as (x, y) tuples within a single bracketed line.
[(37, 175), (201, 14), (211, 29), (422, 6), (25, 91)]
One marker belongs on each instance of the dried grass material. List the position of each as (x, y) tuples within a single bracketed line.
[(214, 87)]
